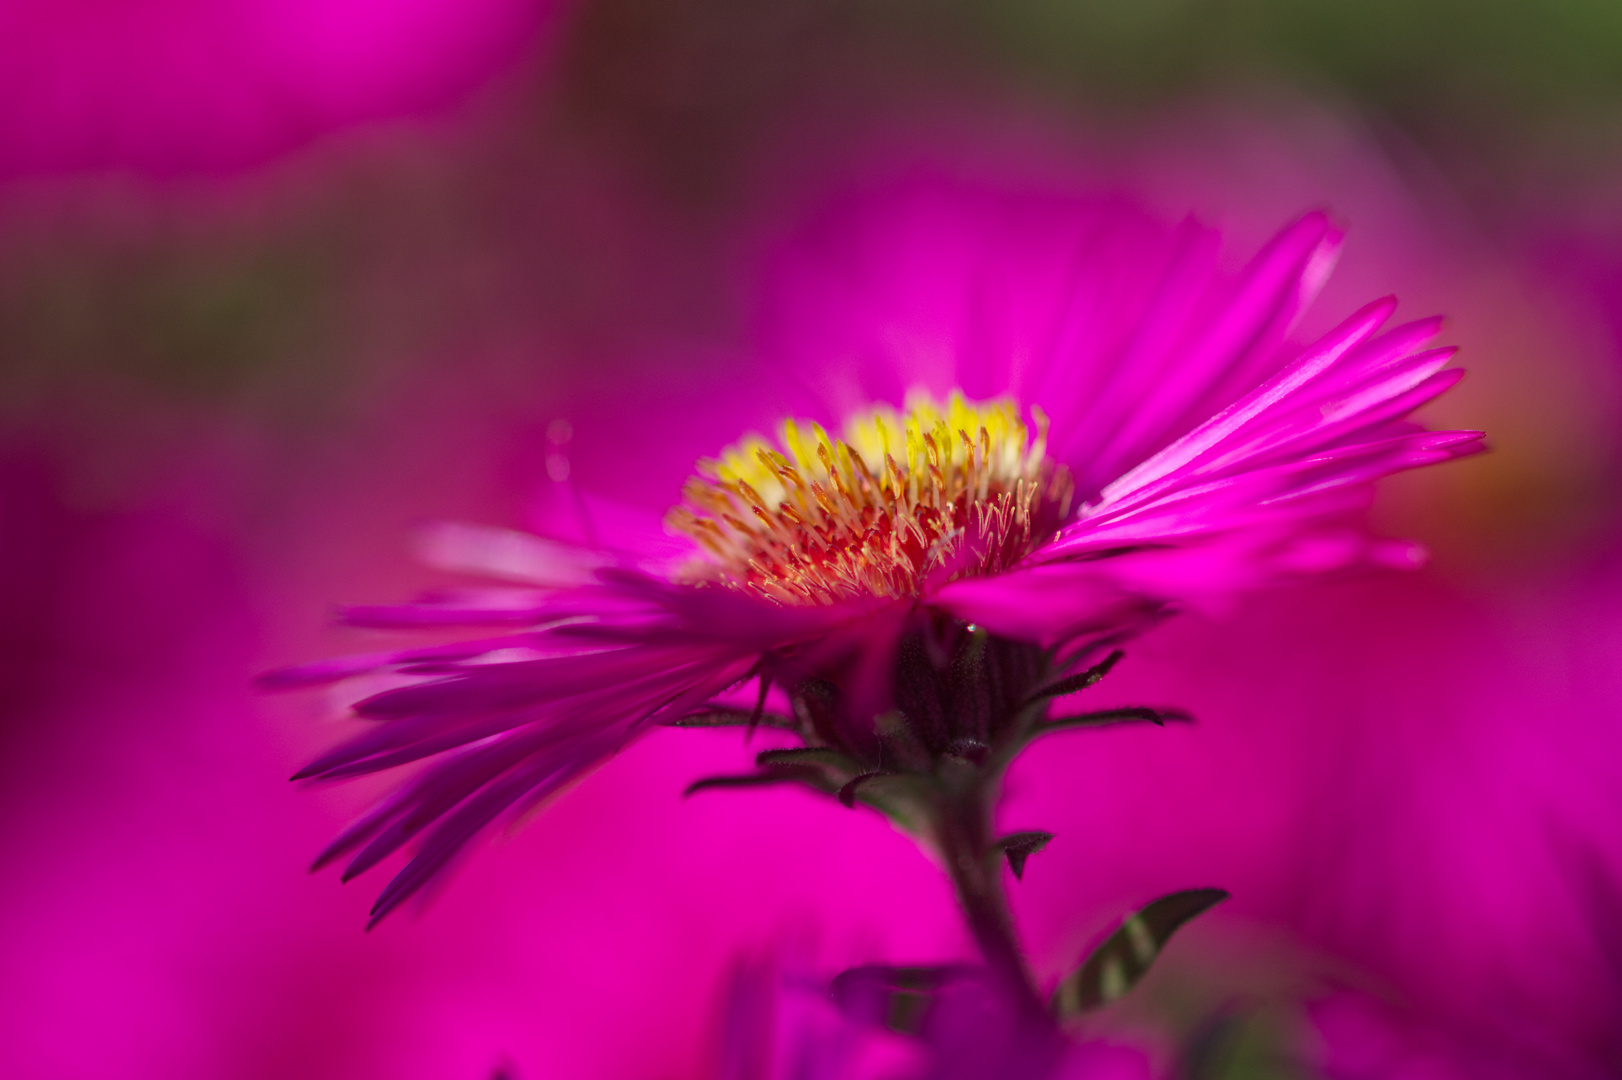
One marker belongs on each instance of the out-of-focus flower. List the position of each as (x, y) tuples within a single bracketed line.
[(949, 1024), (174, 86), (1058, 432)]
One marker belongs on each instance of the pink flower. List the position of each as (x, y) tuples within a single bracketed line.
[(175, 86), (777, 1023), (1062, 422)]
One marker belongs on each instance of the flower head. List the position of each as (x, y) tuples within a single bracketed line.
[(1009, 497)]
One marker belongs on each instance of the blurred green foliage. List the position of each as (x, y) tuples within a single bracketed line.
[(1476, 85), (187, 316), (689, 84), (674, 94), (1517, 58)]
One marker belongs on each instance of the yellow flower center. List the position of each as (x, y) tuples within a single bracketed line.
[(948, 491)]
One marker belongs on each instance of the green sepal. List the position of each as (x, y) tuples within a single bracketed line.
[(787, 774), (1079, 682), (1117, 965), (847, 793), (1128, 714), (820, 756), (720, 716), (906, 799), (1017, 847), (724, 716), (900, 748)]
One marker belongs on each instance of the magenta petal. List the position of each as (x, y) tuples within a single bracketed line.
[(1085, 397), (1250, 325), (1139, 481), (1049, 605)]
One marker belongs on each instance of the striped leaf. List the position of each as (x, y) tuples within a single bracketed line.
[(1117, 965)]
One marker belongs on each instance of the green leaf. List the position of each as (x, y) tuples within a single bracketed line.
[(1117, 965), (1017, 847), (1076, 683)]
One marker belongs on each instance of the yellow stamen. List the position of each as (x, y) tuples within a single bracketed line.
[(813, 524)]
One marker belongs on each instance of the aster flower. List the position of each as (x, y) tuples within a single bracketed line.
[(908, 592)]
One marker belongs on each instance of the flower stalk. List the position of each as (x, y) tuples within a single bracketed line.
[(968, 703), (963, 831)]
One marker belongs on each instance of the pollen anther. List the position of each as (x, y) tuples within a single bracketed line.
[(971, 495)]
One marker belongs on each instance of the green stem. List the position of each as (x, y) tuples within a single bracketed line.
[(964, 831)]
